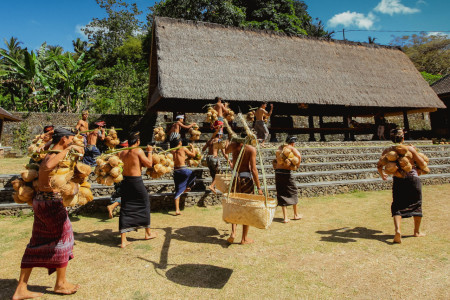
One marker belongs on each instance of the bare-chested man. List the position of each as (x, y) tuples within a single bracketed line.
[(287, 193), (406, 190), (83, 124), (91, 151), (212, 159), (174, 132), (262, 132), (51, 243), (183, 177), (222, 110), (246, 178), (135, 203)]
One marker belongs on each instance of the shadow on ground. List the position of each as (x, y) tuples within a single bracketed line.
[(105, 237), (200, 234), (8, 287), (348, 235)]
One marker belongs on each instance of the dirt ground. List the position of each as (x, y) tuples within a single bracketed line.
[(342, 248)]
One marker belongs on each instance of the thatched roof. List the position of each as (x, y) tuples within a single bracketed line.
[(199, 61), (7, 116), (442, 86)]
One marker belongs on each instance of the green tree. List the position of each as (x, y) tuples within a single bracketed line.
[(429, 53)]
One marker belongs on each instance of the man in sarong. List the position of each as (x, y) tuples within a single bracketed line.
[(212, 159), (174, 132), (245, 181), (222, 110), (135, 203), (406, 191), (183, 177), (285, 184), (262, 132), (91, 150), (51, 242)]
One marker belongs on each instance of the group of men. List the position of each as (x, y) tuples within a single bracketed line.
[(52, 238)]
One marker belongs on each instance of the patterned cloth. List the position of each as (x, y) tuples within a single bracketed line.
[(51, 242), (90, 153), (261, 130), (287, 193), (244, 183), (213, 165), (183, 178), (407, 196)]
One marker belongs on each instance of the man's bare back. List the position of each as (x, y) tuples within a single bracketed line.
[(94, 135), (180, 155), (134, 160)]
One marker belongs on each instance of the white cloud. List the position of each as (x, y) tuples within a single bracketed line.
[(80, 32), (443, 34), (352, 19), (392, 7)]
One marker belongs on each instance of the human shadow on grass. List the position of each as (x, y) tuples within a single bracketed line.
[(201, 234), (350, 235), (192, 275), (8, 287)]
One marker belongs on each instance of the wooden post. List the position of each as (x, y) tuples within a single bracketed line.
[(1, 129), (311, 125), (322, 135), (406, 124), (346, 134)]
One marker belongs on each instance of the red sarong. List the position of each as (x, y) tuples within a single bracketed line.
[(52, 240)]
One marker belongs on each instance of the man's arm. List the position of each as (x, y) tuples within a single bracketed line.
[(54, 161), (296, 153), (416, 157), (189, 152), (146, 161), (268, 114), (79, 124), (254, 170), (383, 175), (102, 134), (186, 126), (206, 145)]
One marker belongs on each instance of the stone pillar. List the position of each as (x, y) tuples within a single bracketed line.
[(311, 125)]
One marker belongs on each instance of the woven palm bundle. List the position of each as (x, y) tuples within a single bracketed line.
[(36, 145), (159, 134), (108, 170), (211, 115), (112, 140), (25, 187), (78, 140), (397, 162), (230, 115), (195, 133), (250, 117), (162, 164), (286, 158)]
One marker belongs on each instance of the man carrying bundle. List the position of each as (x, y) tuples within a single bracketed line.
[(135, 204), (406, 190), (91, 151), (51, 242), (174, 132), (222, 110), (262, 132), (285, 184), (245, 181), (183, 177), (115, 197), (212, 159)]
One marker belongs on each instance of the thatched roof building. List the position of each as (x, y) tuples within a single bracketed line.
[(6, 116), (440, 120), (195, 62)]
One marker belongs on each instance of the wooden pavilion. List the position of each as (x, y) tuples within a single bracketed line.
[(440, 120), (6, 116), (194, 62)]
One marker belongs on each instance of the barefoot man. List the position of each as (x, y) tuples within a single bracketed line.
[(91, 150), (212, 159), (82, 124), (260, 126), (183, 177), (222, 111), (285, 184), (406, 191), (135, 204), (174, 132), (51, 242), (246, 178)]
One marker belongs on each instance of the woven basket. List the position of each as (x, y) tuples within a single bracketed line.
[(223, 182), (248, 209)]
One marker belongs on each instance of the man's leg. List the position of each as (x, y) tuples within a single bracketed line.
[(233, 234), (177, 206), (285, 217), (123, 237), (297, 216), (22, 291), (398, 234), (149, 235), (111, 209), (61, 285), (245, 239), (417, 221)]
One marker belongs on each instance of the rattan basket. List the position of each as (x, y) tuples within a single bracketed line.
[(223, 182), (248, 209)]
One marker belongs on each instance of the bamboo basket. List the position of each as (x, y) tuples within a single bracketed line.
[(248, 209), (223, 182)]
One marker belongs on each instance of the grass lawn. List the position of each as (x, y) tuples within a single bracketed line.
[(13, 165), (341, 249)]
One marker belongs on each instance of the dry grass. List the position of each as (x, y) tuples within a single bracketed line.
[(341, 249), (13, 165)]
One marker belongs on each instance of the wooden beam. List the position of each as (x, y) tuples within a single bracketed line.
[(312, 138), (406, 124)]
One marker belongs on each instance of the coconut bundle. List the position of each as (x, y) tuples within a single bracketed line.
[(26, 186), (78, 140), (112, 140), (250, 117), (287, 158), (108, 170), (36, 145), (230, 115), (211, 115), (162, 164), (159, 134), (196, 160), (195, 133), (397, 161)]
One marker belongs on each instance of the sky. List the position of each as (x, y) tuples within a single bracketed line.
[(58, 22)]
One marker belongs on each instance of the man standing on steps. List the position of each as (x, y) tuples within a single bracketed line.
[(245, 181), (406, 190), (262, 132), (135, 204)]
